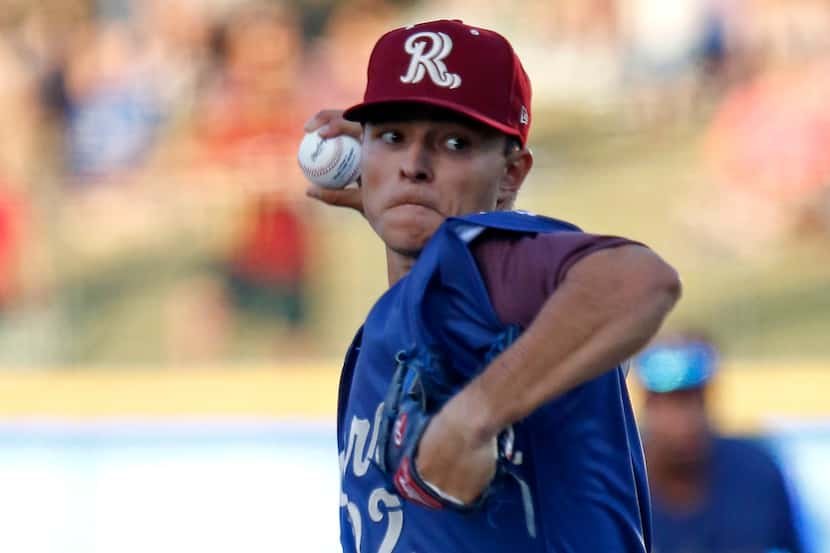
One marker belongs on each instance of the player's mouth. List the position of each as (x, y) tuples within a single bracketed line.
[(410, 210), (410, 204), (413, 200)]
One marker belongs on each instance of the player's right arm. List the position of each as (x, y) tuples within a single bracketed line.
[(608, 306), (329, 123)]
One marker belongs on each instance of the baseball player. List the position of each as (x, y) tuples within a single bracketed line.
[(712, 493), (482, 404)]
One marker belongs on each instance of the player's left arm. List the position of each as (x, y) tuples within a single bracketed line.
[(609, 305)]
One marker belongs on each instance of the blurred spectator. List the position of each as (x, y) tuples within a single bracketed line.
[(667, 43), (351, 27), (768, 148), (196, 322), (119, 79), (576, 52), (176, 47), (249, 128), (12, 217), (19, 118), (710, 493), (18, 110), (780, 32), (268, 274), (113, 101)]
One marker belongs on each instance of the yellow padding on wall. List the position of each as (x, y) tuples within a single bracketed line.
[(745, 396), (297, 391)]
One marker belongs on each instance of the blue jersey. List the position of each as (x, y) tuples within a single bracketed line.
[(747, 508), (580, 453)]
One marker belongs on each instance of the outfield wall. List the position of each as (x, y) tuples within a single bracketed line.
[(745, 397), (221, 460)]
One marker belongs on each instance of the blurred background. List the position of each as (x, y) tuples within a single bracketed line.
[(173, 310)]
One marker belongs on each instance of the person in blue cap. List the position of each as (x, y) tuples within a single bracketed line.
[(710, 493)]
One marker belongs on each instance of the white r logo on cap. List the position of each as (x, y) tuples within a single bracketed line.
[(430, 61)]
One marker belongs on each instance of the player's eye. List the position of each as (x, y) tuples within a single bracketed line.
[(391, 137), (456, 143)]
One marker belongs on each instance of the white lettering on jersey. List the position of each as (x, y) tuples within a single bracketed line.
[(356, 450), (353, 512), (394, 523), (430, 61), (358, 455)]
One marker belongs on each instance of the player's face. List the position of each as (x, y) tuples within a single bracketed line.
[(677, 425), (416, 173)]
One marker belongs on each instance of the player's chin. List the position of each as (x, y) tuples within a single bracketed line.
[(411, 224), (408, 245), (408, 239)]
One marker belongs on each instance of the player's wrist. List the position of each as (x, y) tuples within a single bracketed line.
[(472, 408), (496, 395)]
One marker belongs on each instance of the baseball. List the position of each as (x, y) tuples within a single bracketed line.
[(329, 162)]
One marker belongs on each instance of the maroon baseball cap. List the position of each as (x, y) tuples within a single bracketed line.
[(448, 64)]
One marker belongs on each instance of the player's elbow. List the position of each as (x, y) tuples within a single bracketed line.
[(639, 280), (653, 289), (664, 282), (655, 278), (674, 287), (629, 280)]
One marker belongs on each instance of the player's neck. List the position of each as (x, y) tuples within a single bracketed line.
[(683, 492), (397, 265), (682, 485)]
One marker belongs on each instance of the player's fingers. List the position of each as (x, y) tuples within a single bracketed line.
[(344, 197), (321, 118), (338, 126), (330, 123), (341, 126)]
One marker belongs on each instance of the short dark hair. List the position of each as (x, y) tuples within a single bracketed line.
[(511, 144)]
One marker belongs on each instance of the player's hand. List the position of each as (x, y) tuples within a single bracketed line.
[(329, 123), (452, 458)]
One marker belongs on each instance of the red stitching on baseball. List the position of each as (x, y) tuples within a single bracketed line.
[(332, 162)]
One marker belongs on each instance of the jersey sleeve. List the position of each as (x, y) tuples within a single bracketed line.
[(521, 271)]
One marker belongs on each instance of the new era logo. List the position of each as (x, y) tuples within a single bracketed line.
[(524, 116)]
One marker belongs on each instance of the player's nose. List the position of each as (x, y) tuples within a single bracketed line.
[(416, 163)]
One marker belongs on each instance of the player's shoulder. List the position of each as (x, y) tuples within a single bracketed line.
[(550, 243), (516, 221), (747, 454)]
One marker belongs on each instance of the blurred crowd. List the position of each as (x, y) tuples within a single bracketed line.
[(130, 128)]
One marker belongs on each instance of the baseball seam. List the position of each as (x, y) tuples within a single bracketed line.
[(332, 162)]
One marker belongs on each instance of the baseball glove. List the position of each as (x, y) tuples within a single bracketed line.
[(419, 388)]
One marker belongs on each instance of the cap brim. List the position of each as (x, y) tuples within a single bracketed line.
[(670, 368), (365, 111)]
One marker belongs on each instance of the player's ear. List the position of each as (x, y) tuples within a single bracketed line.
[(518, 163)]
